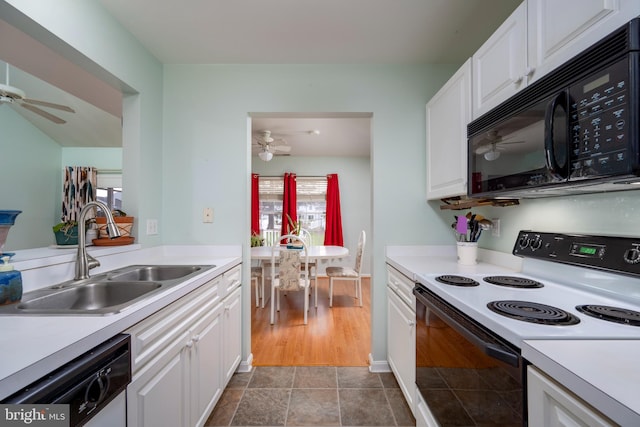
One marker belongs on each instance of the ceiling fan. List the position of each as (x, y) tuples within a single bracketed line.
[(268, 146), (492, 146), (13, 95)]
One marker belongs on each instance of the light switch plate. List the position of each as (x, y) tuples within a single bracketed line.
[(207, 215)]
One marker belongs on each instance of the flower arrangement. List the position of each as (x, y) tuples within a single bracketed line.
[(468, 228), (293, 227)]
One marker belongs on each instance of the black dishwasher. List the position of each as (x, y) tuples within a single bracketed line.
[(87, 384)]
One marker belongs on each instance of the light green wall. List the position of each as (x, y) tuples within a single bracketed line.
[(85, 34), (101, 158), (354, 177), (30, 180), (206, 153), (613, 213)]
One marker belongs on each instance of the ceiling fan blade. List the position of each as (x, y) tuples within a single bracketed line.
[(484, 149), (283, 148), (49, 104), (43, 113)]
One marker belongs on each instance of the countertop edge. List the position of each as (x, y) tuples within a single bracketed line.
[(536, 353), (114, 324)]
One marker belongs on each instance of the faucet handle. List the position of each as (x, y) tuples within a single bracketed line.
[(92, 262)]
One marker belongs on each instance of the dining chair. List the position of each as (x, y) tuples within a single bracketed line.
[(313, 267), (348, 273), (291, 273), (256, 273)]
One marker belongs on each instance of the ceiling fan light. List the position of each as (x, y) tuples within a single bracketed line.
[(265, 155), (492, 155)]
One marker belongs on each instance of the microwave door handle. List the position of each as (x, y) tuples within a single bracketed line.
[(553, 167)]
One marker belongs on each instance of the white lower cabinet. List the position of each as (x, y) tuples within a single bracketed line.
[(183, 357), (550, 404), (401, 333), (232, 334)]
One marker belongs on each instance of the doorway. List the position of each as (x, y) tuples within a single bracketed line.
[(314, 145)]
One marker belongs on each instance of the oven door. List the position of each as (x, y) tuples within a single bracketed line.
[(465, 374)]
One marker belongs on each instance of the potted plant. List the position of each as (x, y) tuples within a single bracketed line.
[(122, 220), (256, 240), (66, 233)]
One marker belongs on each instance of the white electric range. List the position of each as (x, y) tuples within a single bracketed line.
[(470, 327), (564, 287)]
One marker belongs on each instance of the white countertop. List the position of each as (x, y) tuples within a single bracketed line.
[(605, 374), (32, 346)]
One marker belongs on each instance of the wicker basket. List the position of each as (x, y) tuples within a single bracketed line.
[(124, 224)]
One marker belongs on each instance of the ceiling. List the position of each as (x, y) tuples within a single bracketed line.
[(272, 32), (336, 135), (311, 31)]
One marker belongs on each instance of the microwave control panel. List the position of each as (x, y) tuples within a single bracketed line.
[(599, 122)]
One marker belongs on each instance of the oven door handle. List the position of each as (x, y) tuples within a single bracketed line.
[(491, 349)]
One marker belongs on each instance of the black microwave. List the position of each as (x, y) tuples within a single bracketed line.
[(576, 130)]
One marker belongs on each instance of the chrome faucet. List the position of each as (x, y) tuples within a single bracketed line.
[(84, 261)]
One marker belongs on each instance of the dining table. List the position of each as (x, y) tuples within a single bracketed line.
[(316, 253)]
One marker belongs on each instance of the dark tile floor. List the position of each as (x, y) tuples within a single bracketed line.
[(311, 396)]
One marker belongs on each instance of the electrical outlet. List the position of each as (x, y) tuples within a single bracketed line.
[(152, 227), (495, 228), (207, 215)]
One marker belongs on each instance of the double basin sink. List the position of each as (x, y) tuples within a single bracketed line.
[(105, 293)]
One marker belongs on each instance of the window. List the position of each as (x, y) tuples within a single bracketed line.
[(109, 189), (311, 206)]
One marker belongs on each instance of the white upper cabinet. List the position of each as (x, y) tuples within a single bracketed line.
[(500, 65), (539, 36), (448, 114), (559, 30)]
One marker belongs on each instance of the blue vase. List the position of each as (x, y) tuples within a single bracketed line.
[(10, 282), (8, 217)]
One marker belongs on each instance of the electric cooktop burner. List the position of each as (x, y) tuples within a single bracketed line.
[(457, 280), (533, 312), (611, 314), (513, 282)]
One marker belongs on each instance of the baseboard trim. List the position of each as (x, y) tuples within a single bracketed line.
[(377, 366), (246, 365)]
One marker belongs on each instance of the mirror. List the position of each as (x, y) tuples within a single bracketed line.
[(35, 149)]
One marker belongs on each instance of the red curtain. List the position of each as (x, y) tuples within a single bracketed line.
[(255, 204), (333, 231), (289, 202)]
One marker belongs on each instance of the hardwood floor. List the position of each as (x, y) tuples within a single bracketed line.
[(337, 336)]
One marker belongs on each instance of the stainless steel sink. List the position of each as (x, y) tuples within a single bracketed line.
[(97, 297), (153, 273), (103, 294)]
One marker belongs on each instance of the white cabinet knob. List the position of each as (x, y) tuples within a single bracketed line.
[(530, 71)]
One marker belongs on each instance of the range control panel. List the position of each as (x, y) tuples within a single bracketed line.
[(611, 253)]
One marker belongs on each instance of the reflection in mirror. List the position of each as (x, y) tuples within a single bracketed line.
[(35, 149)]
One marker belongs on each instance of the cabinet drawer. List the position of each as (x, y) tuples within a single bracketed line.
[(402, 286), (155, 332), (231, 279)]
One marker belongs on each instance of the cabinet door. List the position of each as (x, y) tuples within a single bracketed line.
[(158, 393), (232, 335), (559, 30), (448, 114), (401, 345), (549, 404), (500, 65), (206, 381)]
